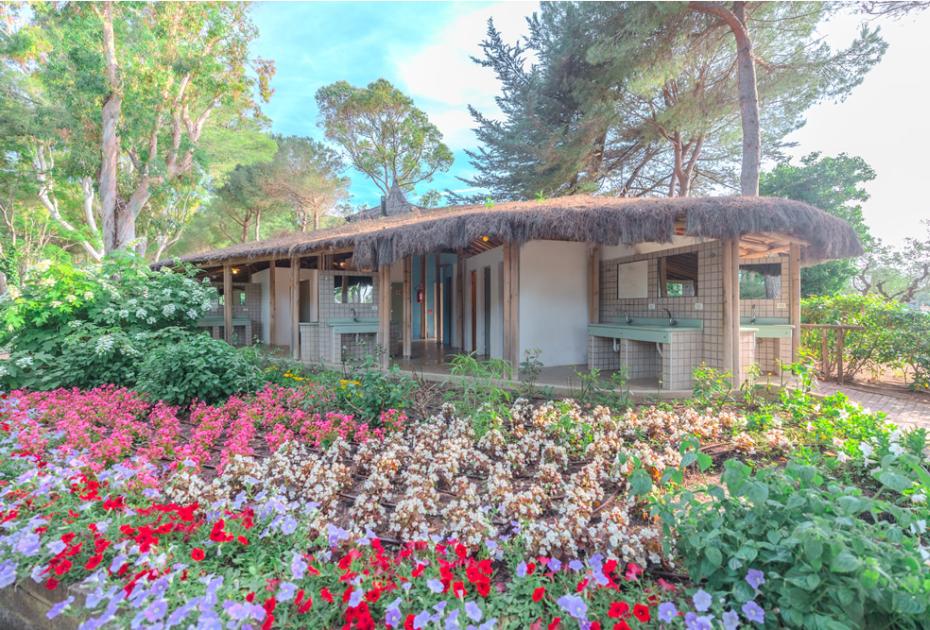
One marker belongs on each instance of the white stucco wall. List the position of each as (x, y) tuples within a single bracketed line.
[(282, 303), (493, 258), (554, 301)]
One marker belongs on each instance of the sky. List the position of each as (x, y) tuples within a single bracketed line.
[(424, 49)]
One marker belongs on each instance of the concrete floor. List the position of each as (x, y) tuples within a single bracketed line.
[(430, 361)]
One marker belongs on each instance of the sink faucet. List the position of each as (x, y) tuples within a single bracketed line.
[(671, 320), (629, 320), (752, 314), (354, 315)]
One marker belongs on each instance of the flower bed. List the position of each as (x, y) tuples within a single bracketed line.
[(271, 511)]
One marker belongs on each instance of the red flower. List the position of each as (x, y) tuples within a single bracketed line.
[(458, 589), (326, 595), (417, 570), (554, 623), (62, 567), (618, 610), (51, 584), (581, 585), (539, 593), (621, 625), (218, 533), (197, 554), (595, 625), (530, 568), (641, 612), (243, 540), (93, 561)]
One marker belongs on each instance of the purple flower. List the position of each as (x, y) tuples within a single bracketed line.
[(355, 598), (288, 525), (156, 610), (434, 585), (575, 565), (574, 606), (473, 611), (56, 547), (238, 611), (452, 621), (694, 622), (491, 545), (286, 591), (755, 578), (702, 600), (421, 620), (730, 620), (59, 608), (392, 616), (554, 565), (28, 545), (298, 567), (667, 611), (336, 534), (753, 612), (521, 569), (7, 573)]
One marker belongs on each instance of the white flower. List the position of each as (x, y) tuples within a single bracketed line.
[(920, 498), (842, 457), (866, 449), (896, 449), (24, 362), (168, 310)]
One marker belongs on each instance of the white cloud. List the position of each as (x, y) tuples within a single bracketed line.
[(440, 75)]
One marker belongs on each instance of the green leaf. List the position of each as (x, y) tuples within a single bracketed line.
[(640, 482), (844, 562), (893, 480), (713, 555)]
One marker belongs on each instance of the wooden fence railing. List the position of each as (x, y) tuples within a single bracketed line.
[(826, 366)]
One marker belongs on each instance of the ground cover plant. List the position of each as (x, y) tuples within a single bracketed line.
[(284, 508)]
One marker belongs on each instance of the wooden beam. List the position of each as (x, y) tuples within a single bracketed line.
[(731, 316), (512, 305), (295, 308), (794, 299), (460, 267), (594, 284), (272, 302), (227, 303), (384, 315), (408, 309)]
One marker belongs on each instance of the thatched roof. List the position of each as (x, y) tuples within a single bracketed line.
[(600, 220)]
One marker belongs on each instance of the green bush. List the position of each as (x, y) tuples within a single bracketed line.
[(369, 391), (832, 556), (69, 326), (197, 367), (894, 334)]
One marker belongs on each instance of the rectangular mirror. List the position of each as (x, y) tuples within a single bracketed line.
[(633, 280), (678, 275), (354, 290), (760, 281)]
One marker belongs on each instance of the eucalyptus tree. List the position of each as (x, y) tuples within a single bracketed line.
[(127, 91), (383, 134)]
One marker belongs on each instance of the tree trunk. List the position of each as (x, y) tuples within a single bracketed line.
[(118, 227), (748, 94)]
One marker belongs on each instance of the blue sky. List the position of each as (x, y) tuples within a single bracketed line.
[(421, 47), (424, 47)]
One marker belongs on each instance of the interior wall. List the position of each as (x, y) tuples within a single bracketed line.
[(554, 301), (492, 258), (282, 280)]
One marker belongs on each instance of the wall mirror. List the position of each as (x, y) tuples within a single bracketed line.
[(760, 281), (633, 280), (354, 289), (678, 275)]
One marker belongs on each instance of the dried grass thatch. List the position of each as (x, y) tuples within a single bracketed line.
[(584, 218)]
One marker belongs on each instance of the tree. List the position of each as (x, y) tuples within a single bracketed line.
[(127, 91), (383, 134), (835, 185), (305, 175), (643, 98), (901, 273)]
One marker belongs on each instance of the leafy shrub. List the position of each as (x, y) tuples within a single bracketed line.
[(82, 327), (480, 395), (197, 367), (894, 335), (832, 557), (711, 386), (613, 394), (369, 392)]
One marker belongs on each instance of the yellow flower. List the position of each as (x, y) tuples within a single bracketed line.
[(345, 382)]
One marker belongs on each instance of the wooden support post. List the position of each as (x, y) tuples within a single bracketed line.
[(437, 305), (227, 303), (731, 340), (384, 315), (295, 308), (594, 284), (272, 303), (840, 342), (512, 306), (408, 309), (460, 267), (794, 299), (423, 329)]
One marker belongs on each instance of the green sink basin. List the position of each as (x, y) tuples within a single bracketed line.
[(652, 330), (348, 326), (769, 331)]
